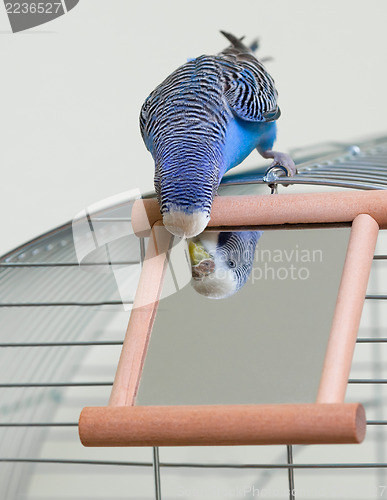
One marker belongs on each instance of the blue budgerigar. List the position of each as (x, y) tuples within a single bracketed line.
[(221, 262), (204, 119)]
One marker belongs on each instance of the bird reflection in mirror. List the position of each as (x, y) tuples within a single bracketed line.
[(221, 261)]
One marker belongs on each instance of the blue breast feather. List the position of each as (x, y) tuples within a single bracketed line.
[(242, 137)]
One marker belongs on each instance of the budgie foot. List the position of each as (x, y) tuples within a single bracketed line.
[(280, 160), (185, 225)]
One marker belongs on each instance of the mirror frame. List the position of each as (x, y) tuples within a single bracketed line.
[(327, 421)]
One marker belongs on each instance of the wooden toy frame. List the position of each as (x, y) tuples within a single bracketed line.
[(329, 420)]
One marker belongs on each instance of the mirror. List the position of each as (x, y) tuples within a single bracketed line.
[(264, 344)]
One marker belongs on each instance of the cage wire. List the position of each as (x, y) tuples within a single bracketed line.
[(62, 328)]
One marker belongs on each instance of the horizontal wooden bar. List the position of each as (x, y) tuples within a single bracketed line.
[(220, 425), (297, 208)]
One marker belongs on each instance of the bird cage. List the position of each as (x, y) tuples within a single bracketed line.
[(66, 300)]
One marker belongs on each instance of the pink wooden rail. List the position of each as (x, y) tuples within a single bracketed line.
[(222, 425), (306, 208), (349, 306)]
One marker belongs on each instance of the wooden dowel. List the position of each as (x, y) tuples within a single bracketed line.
[(349, 306), (255, 210), (222, 425), (141, 319), (145, 213)]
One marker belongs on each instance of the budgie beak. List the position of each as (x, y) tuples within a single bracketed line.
[(201, 261)]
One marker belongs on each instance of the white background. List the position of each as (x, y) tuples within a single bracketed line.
[(71, 90)]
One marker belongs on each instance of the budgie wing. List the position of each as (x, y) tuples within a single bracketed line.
[(248, 88), (145, 119)]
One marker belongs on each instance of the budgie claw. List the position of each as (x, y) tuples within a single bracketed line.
[(284, 161), (280, 160)]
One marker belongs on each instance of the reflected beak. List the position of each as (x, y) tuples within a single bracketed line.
[(201, 262)]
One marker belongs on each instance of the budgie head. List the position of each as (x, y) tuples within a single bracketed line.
[(221, 262), (185, 195)]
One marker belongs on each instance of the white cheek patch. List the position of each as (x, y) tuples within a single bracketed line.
[(209, 240), (185, 225), (218, 285)]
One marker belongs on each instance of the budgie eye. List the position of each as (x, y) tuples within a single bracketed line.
[(232, 263)]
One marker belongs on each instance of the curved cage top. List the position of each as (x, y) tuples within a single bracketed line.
[(62, 329)]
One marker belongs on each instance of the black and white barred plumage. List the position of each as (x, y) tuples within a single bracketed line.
[(205, 118)]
